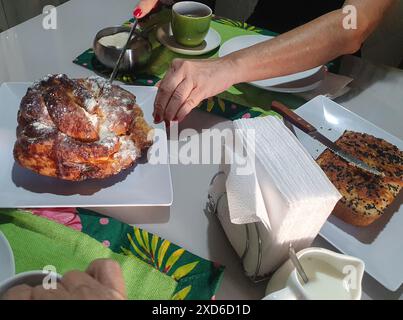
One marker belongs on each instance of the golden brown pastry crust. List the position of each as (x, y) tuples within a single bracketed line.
[(365, 196), (79, 129)]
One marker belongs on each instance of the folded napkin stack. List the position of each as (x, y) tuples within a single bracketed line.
[(285, 199)]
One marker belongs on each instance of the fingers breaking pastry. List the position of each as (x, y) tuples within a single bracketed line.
[(79, 129)]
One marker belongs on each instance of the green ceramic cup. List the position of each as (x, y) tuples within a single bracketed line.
[(190, 22)]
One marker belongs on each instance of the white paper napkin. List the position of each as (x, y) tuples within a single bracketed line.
[(245, 200)]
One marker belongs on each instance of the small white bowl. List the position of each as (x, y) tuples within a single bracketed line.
[(7, 266)]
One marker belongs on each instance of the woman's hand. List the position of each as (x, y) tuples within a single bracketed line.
[(187, 83), (103, 280), (144, 7)]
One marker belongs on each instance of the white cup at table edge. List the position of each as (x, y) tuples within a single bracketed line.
[(30, 278)]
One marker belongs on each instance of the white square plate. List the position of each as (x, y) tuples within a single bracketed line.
[(379, 245), (143, 185)]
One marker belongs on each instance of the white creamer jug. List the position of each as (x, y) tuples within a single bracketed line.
[(332, 276)]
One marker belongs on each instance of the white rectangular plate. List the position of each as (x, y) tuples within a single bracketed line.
[(143, 185), (379, 245)]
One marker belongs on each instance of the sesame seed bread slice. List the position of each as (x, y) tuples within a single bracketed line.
[(365, 196)]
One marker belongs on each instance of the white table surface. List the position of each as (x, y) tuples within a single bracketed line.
[(28, 52)]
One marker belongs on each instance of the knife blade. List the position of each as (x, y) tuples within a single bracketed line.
[(306, 127), (116, 69)]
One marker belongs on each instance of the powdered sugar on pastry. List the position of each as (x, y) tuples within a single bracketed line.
[(82, 128)]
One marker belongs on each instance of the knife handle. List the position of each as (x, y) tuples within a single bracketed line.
[(292, 117)]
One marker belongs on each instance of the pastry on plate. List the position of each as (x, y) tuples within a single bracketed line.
[(78, 129), (365, 196)]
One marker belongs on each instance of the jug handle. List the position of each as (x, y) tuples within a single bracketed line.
[(284, 294)]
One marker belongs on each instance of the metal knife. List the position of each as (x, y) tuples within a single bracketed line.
[(306, 127), (116, 69)]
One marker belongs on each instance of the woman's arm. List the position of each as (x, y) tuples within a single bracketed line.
[(188, 82), (310, 45)]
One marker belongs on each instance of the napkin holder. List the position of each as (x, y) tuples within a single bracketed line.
[(248, 236)]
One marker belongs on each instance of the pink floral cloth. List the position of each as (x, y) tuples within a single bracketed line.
[(66, 216)]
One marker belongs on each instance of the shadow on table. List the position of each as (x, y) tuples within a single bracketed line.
[(376, 291), (199, 120), (364, 74), (369, 234), (28, 180), (137, 215)]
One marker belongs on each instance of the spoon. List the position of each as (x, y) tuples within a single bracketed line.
[(297, 264)]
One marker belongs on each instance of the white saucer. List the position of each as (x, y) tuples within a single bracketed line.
[(303, 85), (243, 42), (7, 267), (211, 42), (307, 88)]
